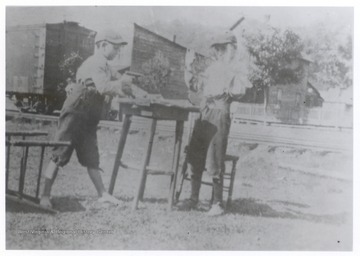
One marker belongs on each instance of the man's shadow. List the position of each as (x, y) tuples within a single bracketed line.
[(60, 204), (253, 207), (68, 204)]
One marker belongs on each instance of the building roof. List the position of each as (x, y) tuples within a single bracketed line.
[(314, 90), (338, 95), (306, 57)]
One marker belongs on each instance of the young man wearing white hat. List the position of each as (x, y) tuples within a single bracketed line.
[(81, 113), (222, 83)]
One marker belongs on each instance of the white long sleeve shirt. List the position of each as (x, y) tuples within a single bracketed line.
[(97, 68), (223, 77)]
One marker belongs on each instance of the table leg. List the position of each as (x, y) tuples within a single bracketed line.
[(120, 150), (177, 150), (141, 188)]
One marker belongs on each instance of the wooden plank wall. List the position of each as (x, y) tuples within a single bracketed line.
[(146, 44)]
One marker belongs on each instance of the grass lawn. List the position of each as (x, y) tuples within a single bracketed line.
[(274, 208)]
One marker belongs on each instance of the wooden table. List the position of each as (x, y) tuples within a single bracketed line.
[(154, 112)]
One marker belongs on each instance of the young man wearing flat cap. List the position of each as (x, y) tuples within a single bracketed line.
[(81, 113), (222, 83)]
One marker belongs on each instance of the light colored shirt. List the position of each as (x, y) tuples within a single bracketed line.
[(96, 67), (223, 77)]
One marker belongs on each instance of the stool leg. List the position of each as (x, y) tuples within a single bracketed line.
[(141, 188), (40, 171), (217, 190), (212, 195), (119, 153), (7, 166), (182, 178), (23, 170), (177, 149), (231, 186)]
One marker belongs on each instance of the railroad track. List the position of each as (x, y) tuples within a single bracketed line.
[(290, 136)]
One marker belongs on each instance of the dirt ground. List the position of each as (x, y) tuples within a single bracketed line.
[(284, 199)]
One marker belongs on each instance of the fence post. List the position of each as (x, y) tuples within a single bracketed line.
[(265, 104)]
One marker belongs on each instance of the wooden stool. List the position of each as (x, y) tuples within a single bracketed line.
[(18, 196), (228, 180)]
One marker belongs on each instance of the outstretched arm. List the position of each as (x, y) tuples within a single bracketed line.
[(239, 85), (104, 85)]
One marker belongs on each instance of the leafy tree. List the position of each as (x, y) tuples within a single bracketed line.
[(272, 53), (332, 61), (330, 48), (345, 65), (156, 73), (69, 65)]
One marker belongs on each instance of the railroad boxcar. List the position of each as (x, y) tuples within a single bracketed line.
[(33, 57)]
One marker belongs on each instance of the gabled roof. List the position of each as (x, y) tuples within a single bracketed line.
[(306, 57), (159, 36), (338, 95), (315, 90)]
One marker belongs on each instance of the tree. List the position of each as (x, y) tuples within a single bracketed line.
[(333, 63), (331, 49), (272, 53), (157, 73), (69, 65)]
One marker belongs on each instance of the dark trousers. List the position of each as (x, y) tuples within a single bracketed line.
[(207, 149), (78, 122)]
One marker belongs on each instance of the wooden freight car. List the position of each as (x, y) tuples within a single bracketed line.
[(33, 55)]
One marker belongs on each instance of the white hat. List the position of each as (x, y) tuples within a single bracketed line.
[(110, 36), (225, 38)]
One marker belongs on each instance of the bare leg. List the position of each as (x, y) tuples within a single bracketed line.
[(104, 197), (217, 208), (50, 176), (95, 177)]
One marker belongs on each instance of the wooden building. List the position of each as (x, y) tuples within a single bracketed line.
[(288, 103), (33, 55), (291, 102)]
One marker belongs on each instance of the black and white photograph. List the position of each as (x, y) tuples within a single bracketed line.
[(179, 128)]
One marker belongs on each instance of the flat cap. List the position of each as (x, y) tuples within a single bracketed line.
[(110, 36), (225, 38)]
